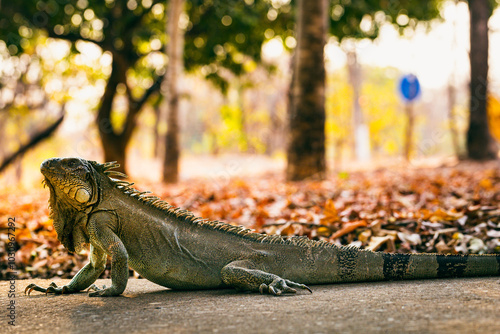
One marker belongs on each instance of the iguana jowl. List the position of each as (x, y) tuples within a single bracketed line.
[(178, 250)]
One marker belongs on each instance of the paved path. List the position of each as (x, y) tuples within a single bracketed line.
[(431, 306)]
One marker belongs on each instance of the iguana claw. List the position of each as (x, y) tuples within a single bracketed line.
[(279, 286), (52, 288)]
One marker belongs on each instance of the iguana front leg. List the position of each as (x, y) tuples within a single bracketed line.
[(103, 237), (243, 275), (82, 280)]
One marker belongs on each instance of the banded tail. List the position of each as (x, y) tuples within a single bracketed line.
[(355, 265)]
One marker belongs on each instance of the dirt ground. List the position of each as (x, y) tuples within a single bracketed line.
[(431, 306)]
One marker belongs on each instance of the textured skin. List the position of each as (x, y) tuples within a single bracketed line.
[(175, 249)]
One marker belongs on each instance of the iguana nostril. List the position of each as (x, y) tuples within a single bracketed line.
[(47, 164), (44, 165)]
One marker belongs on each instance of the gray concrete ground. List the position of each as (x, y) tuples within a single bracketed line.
[(430, 306)]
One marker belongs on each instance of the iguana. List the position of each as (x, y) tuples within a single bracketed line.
[(176, 249)]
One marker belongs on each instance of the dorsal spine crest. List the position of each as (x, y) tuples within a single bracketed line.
[(188, 217)]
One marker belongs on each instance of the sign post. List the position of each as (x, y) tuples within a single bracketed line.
[(409, 87)]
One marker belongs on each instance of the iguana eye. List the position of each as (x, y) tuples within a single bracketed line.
[(71, 163)]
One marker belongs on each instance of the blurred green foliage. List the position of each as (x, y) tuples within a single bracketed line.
[(223, 40), (221, 34), (380, 106)]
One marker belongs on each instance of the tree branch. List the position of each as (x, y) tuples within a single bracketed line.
[(135, 105), (154, 87), (34, 140)]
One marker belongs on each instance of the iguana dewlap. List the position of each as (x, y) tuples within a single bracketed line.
[(175, 249)]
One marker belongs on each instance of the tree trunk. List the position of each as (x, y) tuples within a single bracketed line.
[(157, 108), (174, 50), (243, 141), (361, 142), (114, 148), (115, 142), (452, 92), (480, 145), (109, 139), (409, 130), (306, 148), (156, 132), (452, 124)]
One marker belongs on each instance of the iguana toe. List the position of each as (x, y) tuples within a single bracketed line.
[(298, 286), (34, 287), (103, 293), (98, 292), (52, 288), (95, 288), (280, 286)]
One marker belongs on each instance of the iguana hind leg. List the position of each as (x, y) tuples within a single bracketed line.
[(244, 276)]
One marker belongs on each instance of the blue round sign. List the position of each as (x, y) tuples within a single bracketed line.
[(409, 87)]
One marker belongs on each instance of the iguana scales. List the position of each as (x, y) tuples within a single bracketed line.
[(175, 249)]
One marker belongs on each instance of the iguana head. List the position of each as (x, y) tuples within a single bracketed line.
[(73, 190), (72, 180)]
